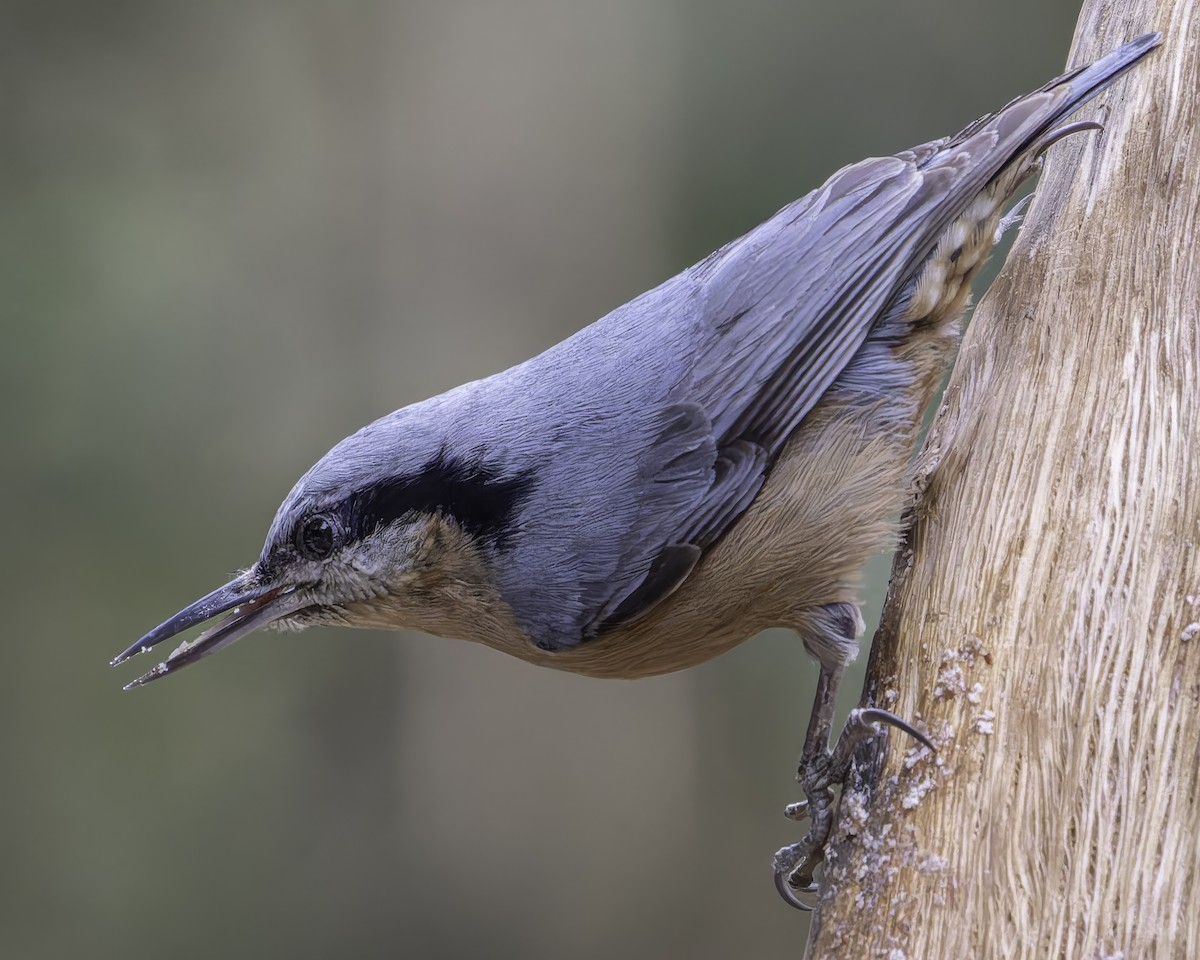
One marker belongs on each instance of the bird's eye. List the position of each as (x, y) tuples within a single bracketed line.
[(315, 538)]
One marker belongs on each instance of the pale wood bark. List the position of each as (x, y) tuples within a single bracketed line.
[(1044, 620)]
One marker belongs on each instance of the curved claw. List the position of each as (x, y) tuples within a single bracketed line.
[(796, 811), (876, 715), (1066, 130), (822, 769), (790, 895)]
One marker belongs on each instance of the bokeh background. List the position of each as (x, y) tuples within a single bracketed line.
[(232, 233)]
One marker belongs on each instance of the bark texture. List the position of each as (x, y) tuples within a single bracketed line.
[(1044, 621)]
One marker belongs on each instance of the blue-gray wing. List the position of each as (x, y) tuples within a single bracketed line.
[(752, 337), (773, 319), (715, 369), (781, 313)]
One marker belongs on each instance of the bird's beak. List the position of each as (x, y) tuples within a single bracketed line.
[(254, 604)]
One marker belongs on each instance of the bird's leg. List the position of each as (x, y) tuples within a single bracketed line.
[(794, 864), (820, 770)]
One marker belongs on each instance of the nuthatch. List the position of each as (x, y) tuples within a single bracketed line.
[(720, 455)]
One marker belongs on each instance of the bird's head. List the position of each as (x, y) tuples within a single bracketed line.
[(392, 528)]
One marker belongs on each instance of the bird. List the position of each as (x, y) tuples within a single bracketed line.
[(719, 456)]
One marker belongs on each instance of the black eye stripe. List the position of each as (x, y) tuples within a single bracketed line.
[(478, 497)]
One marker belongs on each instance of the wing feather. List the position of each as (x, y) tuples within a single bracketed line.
[(750, 339)]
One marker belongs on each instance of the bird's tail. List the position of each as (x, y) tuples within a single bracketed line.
[(1085, 82), (1077, 87)]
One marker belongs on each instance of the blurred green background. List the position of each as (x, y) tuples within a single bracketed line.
[(230, 234)]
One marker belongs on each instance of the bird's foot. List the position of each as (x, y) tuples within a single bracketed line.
[(796, 864)]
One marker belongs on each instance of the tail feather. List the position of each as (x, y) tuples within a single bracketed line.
[(1086, 82), (1076, 87)]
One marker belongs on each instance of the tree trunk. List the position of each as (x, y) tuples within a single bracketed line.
[(1044, 616)]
